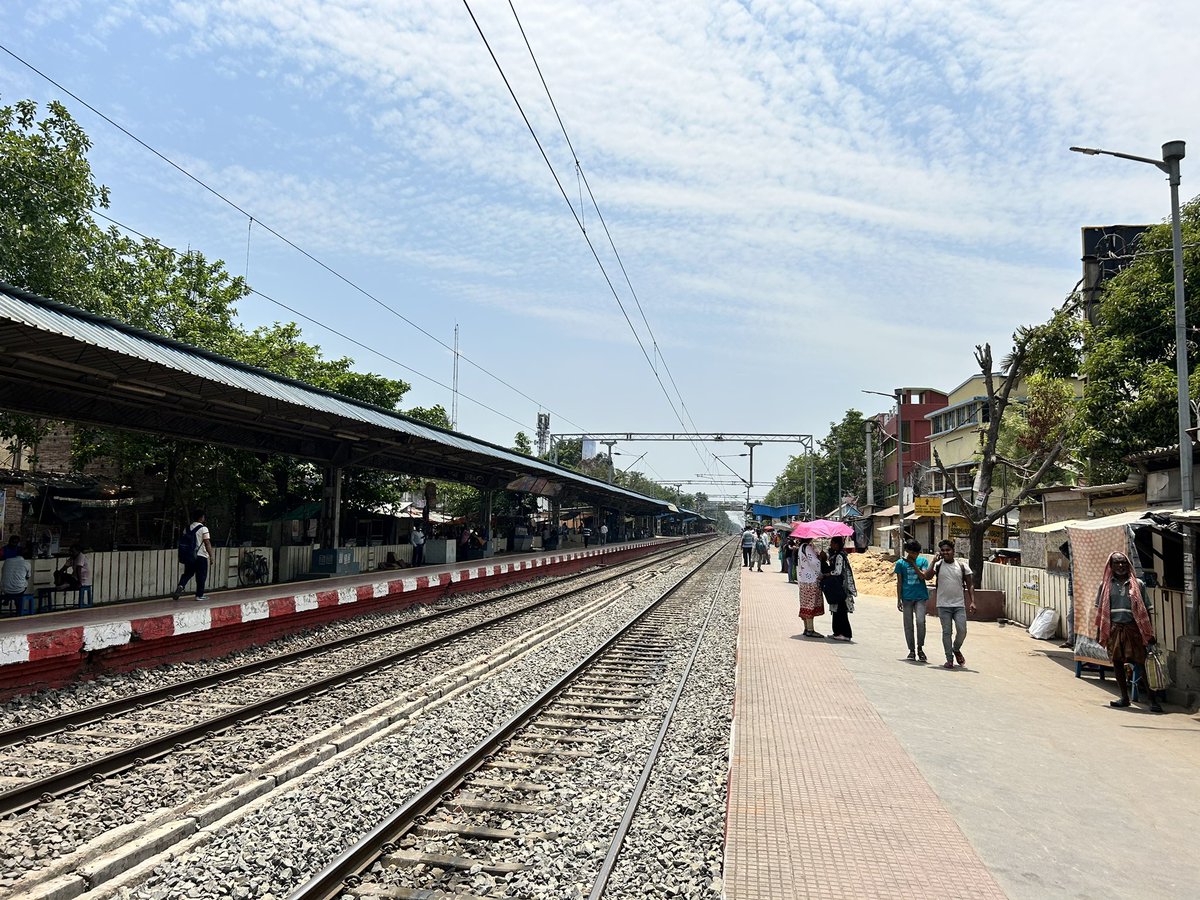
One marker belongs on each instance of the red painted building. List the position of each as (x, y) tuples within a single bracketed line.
[(916, 403)]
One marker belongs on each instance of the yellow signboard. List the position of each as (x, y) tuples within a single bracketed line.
[(957, 527), (927, 506)]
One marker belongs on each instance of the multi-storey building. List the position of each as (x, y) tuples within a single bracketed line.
[(911, 419)]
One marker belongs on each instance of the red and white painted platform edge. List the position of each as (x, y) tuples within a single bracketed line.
[(28, 639)]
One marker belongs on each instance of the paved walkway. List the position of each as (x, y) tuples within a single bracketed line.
[(856, 774)]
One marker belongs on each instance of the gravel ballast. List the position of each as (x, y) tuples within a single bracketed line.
[(284, 839)]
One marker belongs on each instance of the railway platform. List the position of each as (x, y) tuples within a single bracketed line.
[(858, 774), (52, 649)]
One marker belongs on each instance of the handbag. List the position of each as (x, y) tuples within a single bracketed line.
[(1156, 670), (834, 588)]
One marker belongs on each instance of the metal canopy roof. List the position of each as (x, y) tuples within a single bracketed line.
[(61, 362)]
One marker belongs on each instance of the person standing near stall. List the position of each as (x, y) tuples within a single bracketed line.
[(1123, 625)]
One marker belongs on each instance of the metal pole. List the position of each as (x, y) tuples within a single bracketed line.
[(1173, 152), (870, 469), (610, 445), (900, 463), (841, 511)]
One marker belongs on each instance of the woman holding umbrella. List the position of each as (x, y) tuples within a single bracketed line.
[(808, 574)]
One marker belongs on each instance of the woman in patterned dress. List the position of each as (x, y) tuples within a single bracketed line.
[(808, 574)]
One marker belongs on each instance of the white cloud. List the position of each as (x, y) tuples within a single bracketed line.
[(788, 182)]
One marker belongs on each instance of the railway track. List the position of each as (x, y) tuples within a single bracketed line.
[(491, 817), (51, 757)]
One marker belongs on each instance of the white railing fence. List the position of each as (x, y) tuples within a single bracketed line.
[(140, 574), (1027, 590)]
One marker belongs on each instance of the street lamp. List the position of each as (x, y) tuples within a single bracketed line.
[(1172, 153), (898, 396)]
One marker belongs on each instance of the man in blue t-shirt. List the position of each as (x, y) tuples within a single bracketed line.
[(912, 571)]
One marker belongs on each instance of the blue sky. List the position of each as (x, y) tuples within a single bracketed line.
[(809, 198)]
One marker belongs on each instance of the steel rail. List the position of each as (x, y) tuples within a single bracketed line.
[(90, 715), (635, 799), (343, 871), (95, 771)]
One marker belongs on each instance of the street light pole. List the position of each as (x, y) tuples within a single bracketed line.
[(1172, 153), (610, 445), (750, 483), (841, 503), (898, 396), (870, 466)]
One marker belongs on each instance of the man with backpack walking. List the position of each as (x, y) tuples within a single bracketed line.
[(195, 551), (955, 593)]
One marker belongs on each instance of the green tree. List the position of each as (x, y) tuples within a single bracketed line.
[(49, 242), (522, 443), (1029, 348), (1129, 360)]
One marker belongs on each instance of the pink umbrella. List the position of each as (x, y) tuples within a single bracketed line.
[(821, 528)]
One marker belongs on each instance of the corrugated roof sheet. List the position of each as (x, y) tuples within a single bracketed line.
[(114, 336)]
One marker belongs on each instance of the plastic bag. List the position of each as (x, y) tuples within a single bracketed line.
[(1156, 670), (1044, 624)]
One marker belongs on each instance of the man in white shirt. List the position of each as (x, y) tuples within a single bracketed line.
[(76, 572), (195, 563), (955, 591), (604, 534)]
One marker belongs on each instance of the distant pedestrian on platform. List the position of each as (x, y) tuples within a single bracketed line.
[(791, 554), (764, 551), (837, 584), (760, 551), (604, 534), (912, 596), (1123, 624), (418, 544), (748, 539), (195, 552), (587, 536), (955, 592), (808, 574)]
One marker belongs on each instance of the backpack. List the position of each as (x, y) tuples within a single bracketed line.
[(187, 545)]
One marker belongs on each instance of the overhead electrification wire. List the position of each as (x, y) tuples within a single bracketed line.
[(177, 254), (575, 214), (604, 224), (283, 238)]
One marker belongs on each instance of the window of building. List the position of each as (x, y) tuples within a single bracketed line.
[(916, 397), (985, 413)]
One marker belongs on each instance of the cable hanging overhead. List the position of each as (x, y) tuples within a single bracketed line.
[(577, 214), (254, 220)]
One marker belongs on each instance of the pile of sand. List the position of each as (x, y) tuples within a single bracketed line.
[(873, 574)]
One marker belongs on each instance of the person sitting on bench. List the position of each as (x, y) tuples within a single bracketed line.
[(75, 573)]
